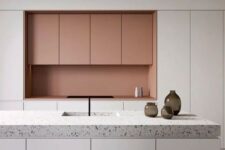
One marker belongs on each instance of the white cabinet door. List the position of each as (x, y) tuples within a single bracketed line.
[(40, 105), (135, 105), (11, 55), (12, 144), (58, 144), (11, 105), (174, 56), (77, 105), (188, 144), (101, 105), (207, 64), (123, 144)]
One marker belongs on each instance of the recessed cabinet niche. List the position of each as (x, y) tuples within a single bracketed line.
[(90, 53)]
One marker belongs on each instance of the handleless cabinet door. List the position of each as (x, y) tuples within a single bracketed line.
[(106, 105), (137, 38), (74, 39), (12, 105), (12, 144), (41, 105), (105, 39), (174, 56), (43, 38), (207, 64), (74, 105), (58, 144), (123, 144), (11, 55), (188, 144)]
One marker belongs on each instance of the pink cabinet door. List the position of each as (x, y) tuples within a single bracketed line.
[(43, 38), (137, 38), (75, 39), (106, 39)]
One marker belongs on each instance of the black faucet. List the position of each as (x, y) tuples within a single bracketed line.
[(89, 100)]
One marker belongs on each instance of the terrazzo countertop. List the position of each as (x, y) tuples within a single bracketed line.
[(132, 124)]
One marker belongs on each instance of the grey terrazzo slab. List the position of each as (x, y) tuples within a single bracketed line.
[(30, 124)]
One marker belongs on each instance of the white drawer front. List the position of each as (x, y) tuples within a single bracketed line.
[(58, 144), (40, 105), (76, 105)]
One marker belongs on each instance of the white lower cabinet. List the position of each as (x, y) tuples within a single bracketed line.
[(11, 105), (58, 144), (101, 105), (12, 144), (188, 144), (135, 105), (78, 105), (123, 144), (40, 105)]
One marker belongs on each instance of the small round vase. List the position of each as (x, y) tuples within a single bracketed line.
[(173, 100), (151, 110), (167, 112)]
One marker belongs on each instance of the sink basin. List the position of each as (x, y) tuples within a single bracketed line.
[(75, 114), (92, 114)]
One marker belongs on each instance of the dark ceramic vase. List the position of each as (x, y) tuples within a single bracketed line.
[(151, 110), (167, 112), (173, 100)]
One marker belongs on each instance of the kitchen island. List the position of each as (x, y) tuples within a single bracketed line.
[(106, 130)]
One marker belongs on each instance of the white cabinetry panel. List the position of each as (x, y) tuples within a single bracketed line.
[(58, 144), (123, 144), (101, 105), (207, 64), (78, 105), (40, 105), (12, 144), (11, 105), (174, 55), (11, 55), (188, 144), (135, 105)]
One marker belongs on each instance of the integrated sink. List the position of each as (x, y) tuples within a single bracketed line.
[(75, 114), (92, 114)]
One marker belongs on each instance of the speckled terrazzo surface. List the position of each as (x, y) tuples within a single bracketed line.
[(31, 124)]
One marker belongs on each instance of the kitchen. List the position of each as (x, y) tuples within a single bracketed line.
[(187, 55)]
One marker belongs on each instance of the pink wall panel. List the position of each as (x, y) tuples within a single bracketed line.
[(88, 80), (106, 39), (43, 38), (137, 37), (74, 39)]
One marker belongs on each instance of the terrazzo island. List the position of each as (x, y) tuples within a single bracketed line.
[(106, 125), (30, 124)]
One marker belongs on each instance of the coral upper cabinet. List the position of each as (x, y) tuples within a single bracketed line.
[(105, 39), (90, 38), (43, 39), (137, 38), (74, 39)]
